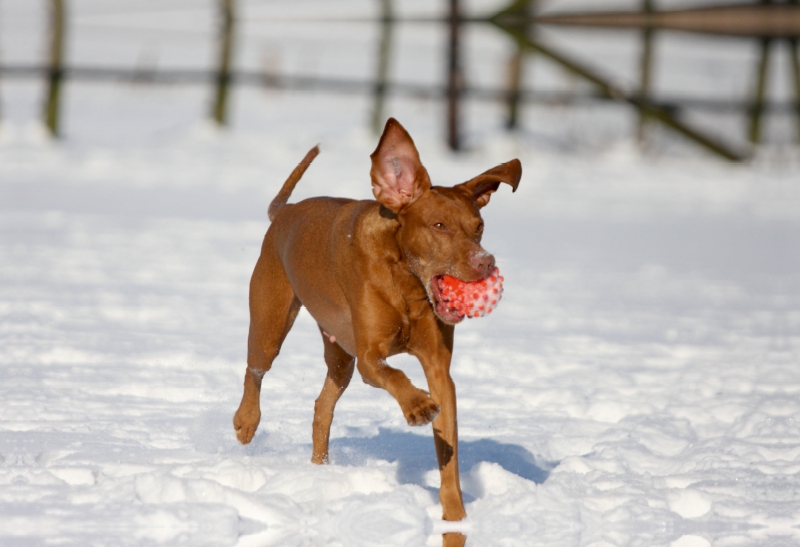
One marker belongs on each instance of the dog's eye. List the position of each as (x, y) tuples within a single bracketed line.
[(440, 226), (479, 229)]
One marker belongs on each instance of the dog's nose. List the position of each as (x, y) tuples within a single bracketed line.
[(482, 262)]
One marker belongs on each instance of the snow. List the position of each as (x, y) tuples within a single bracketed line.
[(638, 384)]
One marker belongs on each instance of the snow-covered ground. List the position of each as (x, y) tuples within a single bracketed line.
[(639, 384)]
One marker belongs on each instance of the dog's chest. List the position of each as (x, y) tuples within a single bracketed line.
[(410, 292)]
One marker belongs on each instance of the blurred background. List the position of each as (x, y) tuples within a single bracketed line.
[(716, 78)]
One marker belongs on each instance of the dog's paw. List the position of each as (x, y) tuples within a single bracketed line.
[(421, 411), (245, 424)]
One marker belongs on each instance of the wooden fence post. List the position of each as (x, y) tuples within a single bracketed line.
[(761, 87), (795, 60), (384, 51), (516, 73), (646, 69), (55, 73), (220, 109), (455, 80), (514, 84)]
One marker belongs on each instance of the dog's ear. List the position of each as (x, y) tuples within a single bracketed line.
[(482, 186), (398, 177)]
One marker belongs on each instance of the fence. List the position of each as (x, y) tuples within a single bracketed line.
[(767, 22)]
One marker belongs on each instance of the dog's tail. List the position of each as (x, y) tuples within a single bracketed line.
[(283, 196)]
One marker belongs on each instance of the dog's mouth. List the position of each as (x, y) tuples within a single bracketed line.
[(445, 310)]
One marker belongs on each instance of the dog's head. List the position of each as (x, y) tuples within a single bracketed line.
[(440, 228)]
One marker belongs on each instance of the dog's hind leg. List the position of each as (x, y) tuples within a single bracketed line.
[(273, 309), (340, 370)]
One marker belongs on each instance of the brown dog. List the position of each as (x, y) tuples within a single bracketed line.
[(367, 272)]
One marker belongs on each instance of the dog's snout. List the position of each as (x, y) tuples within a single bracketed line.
[(482, 263)]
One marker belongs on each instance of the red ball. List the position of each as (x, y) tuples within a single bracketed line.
[(472, 299)]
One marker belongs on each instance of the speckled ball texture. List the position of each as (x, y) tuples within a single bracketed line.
[(473, 299)]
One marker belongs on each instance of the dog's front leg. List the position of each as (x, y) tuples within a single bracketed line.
[(445, 437), (435, 354), (417, 406)]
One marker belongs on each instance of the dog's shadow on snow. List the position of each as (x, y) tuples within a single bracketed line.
[(415, 455)]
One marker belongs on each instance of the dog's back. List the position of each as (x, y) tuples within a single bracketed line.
[(302, 236)]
